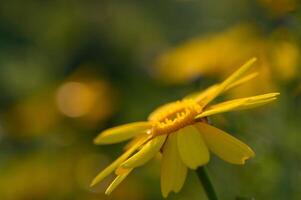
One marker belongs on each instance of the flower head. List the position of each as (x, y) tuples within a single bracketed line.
[(180, 132), (278, 52)]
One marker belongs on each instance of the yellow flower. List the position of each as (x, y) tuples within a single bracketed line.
[(180, 132), (279, 56)]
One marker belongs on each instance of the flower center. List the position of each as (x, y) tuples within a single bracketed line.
[(174, 116)]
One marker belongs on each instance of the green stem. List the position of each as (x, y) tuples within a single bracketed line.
[(208, 187)]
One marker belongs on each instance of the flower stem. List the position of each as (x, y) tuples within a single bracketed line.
[(208, 187)]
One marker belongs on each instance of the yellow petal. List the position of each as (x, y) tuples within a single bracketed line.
[(230, 80), (173, 170), (224, 145), (192, 148), (120, 171), (117, 181), (241, 81), (239, 104), (108, 170), (147, 152), (255, 104), (121, 133), (200, 96), (207, 94), (238, 73), (258, 100), (133, 141)]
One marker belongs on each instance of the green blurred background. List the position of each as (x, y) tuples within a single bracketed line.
[(69, 69)]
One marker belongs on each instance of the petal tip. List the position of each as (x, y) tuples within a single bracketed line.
[(93, 183), (99, 139), (107, 192), (165, 194), (254, 59), (96, 141), (245, 158)]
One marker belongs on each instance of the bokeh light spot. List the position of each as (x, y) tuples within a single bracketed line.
[(75, 99)]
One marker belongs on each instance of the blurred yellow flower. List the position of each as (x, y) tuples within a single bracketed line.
[(86, 97), (27, 118), (180, 131), (216, 54)]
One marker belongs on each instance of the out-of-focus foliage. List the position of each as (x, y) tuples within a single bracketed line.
[(278, 8), (69, 69)]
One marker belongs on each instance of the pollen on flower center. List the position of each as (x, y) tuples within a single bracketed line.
[(174, 116)]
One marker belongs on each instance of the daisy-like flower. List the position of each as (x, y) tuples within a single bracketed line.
[(180, 132)]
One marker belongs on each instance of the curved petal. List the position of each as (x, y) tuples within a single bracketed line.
[(239, 104), (241, 81), (201, 95), (147, 152), (122, 133), (224, 145), (238, 73), (192, 148), (173, 170), (117, 181), (108, 170), (228, 82)]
